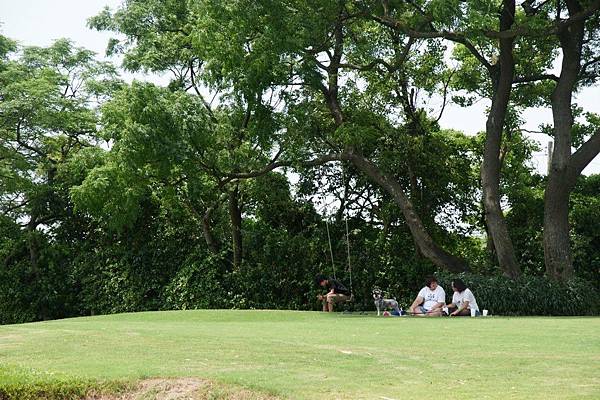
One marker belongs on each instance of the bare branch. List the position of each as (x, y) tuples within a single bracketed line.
[(207, 106), (446, 84), (584, 155), (320, 160), (452, 36), (535, 78), (23, 144)]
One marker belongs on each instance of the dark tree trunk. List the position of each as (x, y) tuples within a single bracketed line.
[(557, 246), (235, 215), (561, 179), (34, 250), (424, 242), (207, 233), (502, 79), (33, 245)]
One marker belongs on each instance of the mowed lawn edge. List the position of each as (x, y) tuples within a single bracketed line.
[(308, 355)]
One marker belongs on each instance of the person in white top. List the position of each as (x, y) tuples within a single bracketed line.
[(430, 300), (463, 300)]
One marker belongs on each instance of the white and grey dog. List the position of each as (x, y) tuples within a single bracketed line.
[(381, 303)]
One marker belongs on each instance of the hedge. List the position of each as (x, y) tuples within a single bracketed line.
[(528, 295)]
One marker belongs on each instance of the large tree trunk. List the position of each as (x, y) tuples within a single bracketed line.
[(425, 243), (235, 215), (207, 233), (34, 248), (561, 179), (502, 79), (557, 246), (428, 248)]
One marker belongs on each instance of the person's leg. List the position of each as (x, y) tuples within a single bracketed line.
[(335, 298), (465, 313), (416, 310), (435, 313), (396, 307)]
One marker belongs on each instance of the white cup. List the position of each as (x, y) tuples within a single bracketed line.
[(473, 312), (485, 313)]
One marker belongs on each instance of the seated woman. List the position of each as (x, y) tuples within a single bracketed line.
[(430, 300), (463, 300)]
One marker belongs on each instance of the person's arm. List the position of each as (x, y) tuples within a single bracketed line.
[(463, 306), (441, 300), (334, 284), (418, 301), (437, 306)]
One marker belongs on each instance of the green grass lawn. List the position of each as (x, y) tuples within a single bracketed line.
[(308, 355)]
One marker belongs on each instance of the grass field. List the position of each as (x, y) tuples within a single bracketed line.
[(307, 355)]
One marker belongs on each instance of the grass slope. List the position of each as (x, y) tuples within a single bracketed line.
[(304, 355)]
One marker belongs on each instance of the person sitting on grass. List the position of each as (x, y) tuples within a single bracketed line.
[(337, 292), (430, 300), (463, 300)]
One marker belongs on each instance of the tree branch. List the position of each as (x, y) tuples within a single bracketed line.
[(25, 145), (320, 160), (557, 27), (452, 36), (535, 78), (584, 155), (206, 105)]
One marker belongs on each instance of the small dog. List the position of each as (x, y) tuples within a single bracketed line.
[(381, 303)]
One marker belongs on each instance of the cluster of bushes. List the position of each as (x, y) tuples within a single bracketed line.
[(529, 295), (160, 262)]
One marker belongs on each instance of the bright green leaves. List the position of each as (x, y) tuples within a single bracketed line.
[(109, 193), (582, 131), (252, 45), (6, 46), (156, 33), (154, 125), (446, 13), (47, 98)]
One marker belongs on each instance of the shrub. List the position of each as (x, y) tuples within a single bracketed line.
[(196, 285), (528, 295)]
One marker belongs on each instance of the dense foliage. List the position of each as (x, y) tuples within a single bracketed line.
[(123, 197), (529, 295)]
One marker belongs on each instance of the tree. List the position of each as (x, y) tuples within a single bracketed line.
[(532, 29), (48, 99), (203, 150), (253, 51), (578, 36)]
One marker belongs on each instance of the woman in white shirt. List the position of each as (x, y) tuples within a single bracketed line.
[(463, 300), (430, 300)]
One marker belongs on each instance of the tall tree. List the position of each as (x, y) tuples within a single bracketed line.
[(268, 49), (47, 105), (48, 118), (528, 30), (579, 35), (230, 127)]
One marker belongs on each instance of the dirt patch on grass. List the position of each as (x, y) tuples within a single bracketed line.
[(183, 389)]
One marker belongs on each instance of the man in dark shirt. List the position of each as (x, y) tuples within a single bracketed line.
[(337, 292)]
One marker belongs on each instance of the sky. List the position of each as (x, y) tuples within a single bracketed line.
[(40, 22)]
